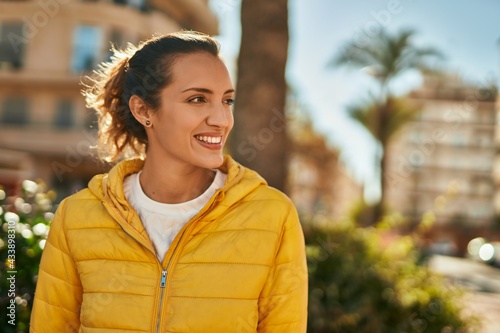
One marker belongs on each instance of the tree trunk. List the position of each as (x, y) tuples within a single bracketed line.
[(383, 183), (382, 136), (259, 138)]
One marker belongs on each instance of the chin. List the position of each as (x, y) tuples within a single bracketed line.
[(212, 162)]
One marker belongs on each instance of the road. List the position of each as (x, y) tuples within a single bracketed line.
[(482, 283)]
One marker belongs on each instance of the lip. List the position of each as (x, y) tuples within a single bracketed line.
[(210, 134)]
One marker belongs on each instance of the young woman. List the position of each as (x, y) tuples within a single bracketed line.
[(178, 238)]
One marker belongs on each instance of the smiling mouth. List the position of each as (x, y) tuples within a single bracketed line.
[(209, 139)]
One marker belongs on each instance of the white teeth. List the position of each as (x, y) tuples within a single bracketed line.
[(209, 139)]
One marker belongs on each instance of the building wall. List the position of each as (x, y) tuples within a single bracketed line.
[(321, 190), (442, 162), (56, 43), (496, 163), (319, 184)]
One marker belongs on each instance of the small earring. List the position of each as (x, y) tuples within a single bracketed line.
[(148, 123)]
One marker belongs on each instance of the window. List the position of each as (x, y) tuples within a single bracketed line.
[(87, 42), (15, 111), (484, 140), (488, 117), (65, 115), (459, 139), (416, 136), (116, 39), (139, 4), (91, 120), (484, 187), (480, 210), (12, 44)]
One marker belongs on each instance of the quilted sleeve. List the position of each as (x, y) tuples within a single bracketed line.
[(283, 301), (58, 292)]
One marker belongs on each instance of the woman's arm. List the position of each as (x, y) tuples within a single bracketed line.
[(58, 292), (283, 301)]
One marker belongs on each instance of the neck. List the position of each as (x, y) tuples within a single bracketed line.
[(173, 182)]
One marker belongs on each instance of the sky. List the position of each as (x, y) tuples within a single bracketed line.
[(467, 32)]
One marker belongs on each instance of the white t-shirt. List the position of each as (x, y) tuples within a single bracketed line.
[(163, 221)]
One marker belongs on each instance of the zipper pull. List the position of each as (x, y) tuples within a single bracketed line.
[(163, 281)]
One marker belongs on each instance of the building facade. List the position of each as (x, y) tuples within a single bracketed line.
[(319, 189), (441, 163), (46, 48), (496, 165), (318, 182)]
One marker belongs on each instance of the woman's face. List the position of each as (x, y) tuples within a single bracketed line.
[(195, 116)]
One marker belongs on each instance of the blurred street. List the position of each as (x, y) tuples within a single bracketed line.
[(483, 283)]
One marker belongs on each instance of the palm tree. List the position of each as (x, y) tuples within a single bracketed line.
[(385, 57), (397, 112), (259, 138)]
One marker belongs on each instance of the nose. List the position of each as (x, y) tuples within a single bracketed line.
[(219, 116)]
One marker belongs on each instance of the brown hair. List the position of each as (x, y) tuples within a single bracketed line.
[(143, 71)]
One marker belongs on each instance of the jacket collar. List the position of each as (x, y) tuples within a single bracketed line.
[(108, 188)]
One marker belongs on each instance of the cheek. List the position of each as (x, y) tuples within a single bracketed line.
[(230, 120), (178, 122)]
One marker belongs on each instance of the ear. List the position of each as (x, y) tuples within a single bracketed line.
[(140, 110)]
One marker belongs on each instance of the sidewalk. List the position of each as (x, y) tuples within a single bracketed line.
[(487, 307)]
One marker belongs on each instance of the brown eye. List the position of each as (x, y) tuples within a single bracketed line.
[(197, 100)]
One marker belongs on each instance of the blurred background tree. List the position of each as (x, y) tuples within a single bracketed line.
[(396, 113), (385, 57), (259, 139)]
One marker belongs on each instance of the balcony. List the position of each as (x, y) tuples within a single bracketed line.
[(40, 140)]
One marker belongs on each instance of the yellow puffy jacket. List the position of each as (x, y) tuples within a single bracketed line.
[(237, 266)]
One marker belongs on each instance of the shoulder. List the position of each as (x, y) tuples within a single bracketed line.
[(82, 197), (247, 186), (270, 195), (271, 207), (250, 194), (79, 210)]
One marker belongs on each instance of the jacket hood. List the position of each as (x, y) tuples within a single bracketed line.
[(108, 188)]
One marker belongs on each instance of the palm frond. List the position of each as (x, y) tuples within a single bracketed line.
[(364, 112), (353, 55), (401, 112), (389, 54), (382, 120)]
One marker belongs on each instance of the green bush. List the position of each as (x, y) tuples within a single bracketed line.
[(356, 285), (28, 216)]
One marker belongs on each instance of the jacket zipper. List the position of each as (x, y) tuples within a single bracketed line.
[(164, 272), (163, 283), (163, 279)]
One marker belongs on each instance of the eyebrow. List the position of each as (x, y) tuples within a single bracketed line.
[(207, 91)]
